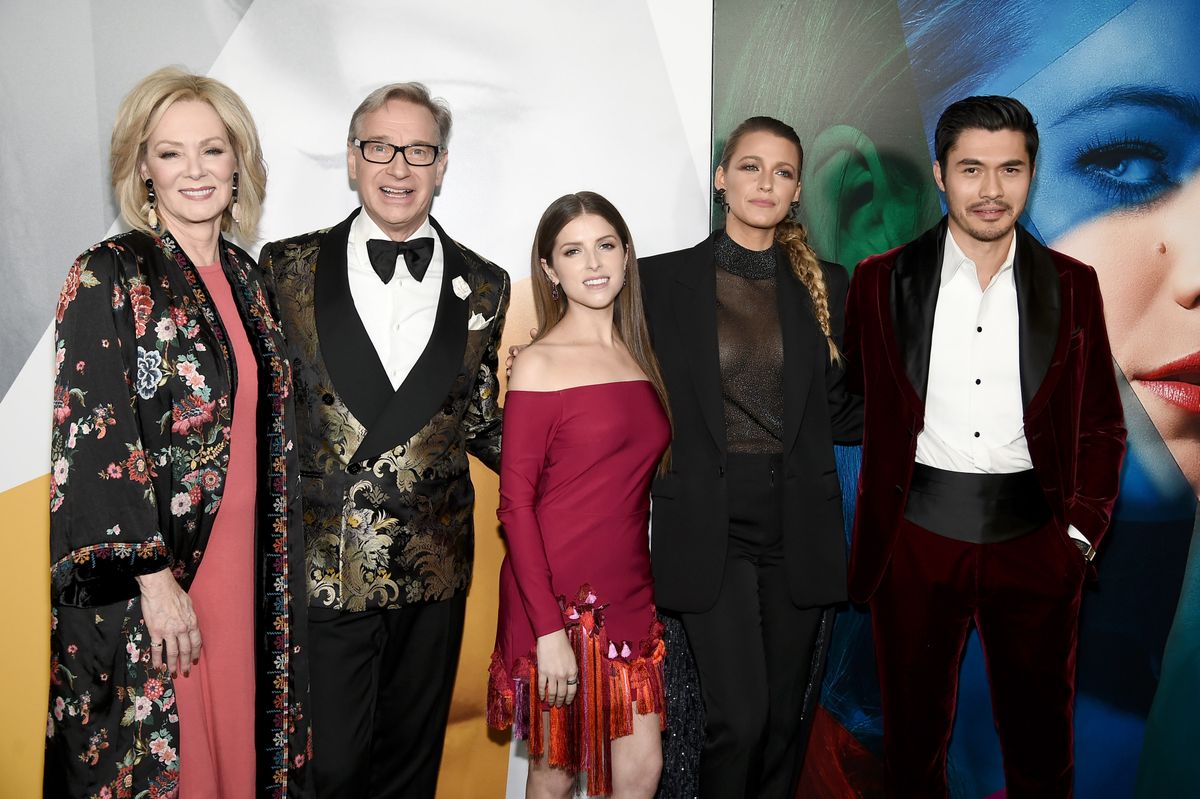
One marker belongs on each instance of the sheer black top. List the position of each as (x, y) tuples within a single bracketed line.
[(751, 347)]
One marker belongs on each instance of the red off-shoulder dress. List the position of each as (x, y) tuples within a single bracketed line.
[(575, 471)]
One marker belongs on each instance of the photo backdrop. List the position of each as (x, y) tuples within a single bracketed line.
[(1114, 86), (548, 97)]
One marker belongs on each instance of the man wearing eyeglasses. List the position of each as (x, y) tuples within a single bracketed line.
[(393, 330)]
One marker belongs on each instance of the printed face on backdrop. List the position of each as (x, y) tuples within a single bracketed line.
[(190, 160), (524, 132), (588, 262), (986, 181), (1119, 117), (396, 195), (761, 182)]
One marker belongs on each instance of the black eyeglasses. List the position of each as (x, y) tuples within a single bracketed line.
[(380, 152)]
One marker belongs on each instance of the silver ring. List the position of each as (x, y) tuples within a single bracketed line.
[(572, 681), (157, 644)]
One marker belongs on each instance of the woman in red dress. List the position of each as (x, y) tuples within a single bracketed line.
[(577, 669)]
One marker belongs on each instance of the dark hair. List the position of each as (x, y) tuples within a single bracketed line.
[(989, 112), (629, 314), (791, 236)]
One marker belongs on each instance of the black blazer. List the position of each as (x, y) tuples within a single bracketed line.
[(690, 514)]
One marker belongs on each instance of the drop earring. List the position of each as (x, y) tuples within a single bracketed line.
[(554, 291), (719, 199), (235, 210), (792, 209), (152, 200)]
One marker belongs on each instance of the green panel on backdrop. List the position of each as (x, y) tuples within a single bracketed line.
[(867, 180)]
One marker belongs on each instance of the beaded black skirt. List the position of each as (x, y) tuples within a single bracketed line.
[(683, 740)]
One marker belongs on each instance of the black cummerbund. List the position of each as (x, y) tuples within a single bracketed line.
[(978, 508)]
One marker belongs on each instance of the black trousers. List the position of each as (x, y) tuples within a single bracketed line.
[(381, 682), (753, 649)]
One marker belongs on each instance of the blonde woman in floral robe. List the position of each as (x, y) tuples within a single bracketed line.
[(141, 440)]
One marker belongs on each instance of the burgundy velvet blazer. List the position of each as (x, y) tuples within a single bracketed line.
[(1073, 419)]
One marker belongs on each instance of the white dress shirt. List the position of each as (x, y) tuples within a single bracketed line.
[(974, 413), (398, 315)]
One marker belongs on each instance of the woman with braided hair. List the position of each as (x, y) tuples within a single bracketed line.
[(747, 542)]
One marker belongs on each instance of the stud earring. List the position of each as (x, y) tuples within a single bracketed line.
[(152, 200), (235, 210)]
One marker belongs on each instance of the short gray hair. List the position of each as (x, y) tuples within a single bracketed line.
[(411, 92)]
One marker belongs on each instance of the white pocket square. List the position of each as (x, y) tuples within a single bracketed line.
[(477, 322), (461, 289)]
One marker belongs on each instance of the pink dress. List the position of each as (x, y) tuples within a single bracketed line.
[(575, 471), (216, 701)]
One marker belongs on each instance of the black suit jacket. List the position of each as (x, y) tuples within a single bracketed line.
[(690, 515), (387, 492)]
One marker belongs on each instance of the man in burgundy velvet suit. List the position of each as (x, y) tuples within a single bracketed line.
[(993, 439)]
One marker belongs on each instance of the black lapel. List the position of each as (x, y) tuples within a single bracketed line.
[(1039, 308), (916, 279), (350, 358), (796, 324), (424, 391), (696, 315)]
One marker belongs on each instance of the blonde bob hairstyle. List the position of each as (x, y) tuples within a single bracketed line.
[(141, 111)]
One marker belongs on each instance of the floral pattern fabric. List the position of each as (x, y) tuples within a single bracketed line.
[(139, 452), (398, 528)]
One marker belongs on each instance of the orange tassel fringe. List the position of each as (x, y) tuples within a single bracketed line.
[(612, 685)]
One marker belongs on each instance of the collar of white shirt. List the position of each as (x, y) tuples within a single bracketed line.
[(363, 229), (955, 259)]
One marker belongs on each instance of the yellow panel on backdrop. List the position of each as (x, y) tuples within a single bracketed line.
[(473, 765), (475, 760), (25, 593)]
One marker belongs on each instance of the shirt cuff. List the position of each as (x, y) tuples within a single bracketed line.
[(1078, 536)]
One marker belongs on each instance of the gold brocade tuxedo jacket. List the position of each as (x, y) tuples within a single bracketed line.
[(388, 500)]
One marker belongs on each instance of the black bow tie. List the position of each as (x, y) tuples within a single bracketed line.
[(384, 252)]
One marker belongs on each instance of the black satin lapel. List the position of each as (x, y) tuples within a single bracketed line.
[(358, 376), (424, 391), (696, 315), (914, 292), (797, 324), (1039, 308)]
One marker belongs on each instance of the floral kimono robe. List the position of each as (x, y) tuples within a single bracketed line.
[(139, 452)]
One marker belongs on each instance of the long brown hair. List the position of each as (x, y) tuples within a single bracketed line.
[(789, 234), (629, 315)]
